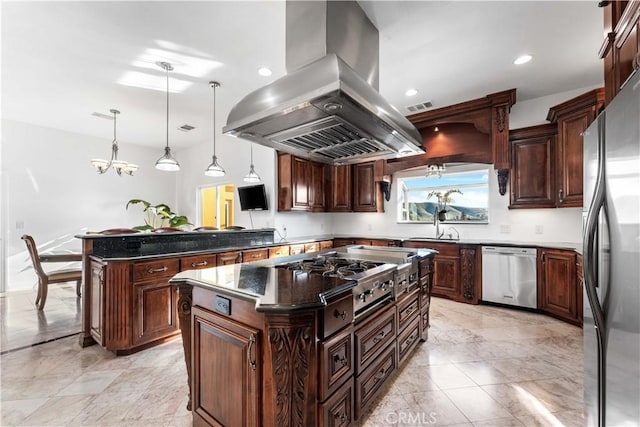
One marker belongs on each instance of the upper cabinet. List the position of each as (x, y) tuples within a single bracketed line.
[(300, 184), (532, 176), (367, 196), (572, 118), (305, 185), (546, 160), (621, 46)]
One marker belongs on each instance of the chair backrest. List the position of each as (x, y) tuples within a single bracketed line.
[(234, 227), (33, 253), (205, 228)]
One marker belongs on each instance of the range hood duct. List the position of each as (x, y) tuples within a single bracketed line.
[(327, 108)]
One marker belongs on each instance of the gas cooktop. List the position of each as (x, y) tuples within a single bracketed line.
[(330, 265)]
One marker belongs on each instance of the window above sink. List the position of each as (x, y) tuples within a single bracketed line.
[(459, 195)]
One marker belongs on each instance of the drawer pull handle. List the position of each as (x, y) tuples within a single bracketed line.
[(410, 311), (340, 359), (199, 264), (409, 341), (157, 270), (251, 360), (337, 314), (341, 417), (380, 376), (378, 338)]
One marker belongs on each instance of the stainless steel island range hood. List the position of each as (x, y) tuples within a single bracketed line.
[(327, 108)]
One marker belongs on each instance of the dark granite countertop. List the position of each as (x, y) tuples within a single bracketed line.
[(272, 289)]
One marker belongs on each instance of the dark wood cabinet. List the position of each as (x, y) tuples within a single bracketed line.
[(226, 352), (98, 271), (532, 175), (154, 300), (557, 287), (300, 184), (255, 255), (572, 118), (367, 197), (279, 251), (197, 262), (621, 46), (546, 160), (341, 189), (339, 241)]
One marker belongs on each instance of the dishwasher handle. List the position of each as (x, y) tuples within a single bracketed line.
[(508, 250)]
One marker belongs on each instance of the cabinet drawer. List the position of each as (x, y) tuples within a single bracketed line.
[(152, 270), (408, 339), (425, 266), (278, 251), (227, 258), (338, 410), (312, 247), (326, 244), (372, 337), (296, 249), (337, 315), (336, 362), (198, 262), (255, 255), (408, 309), (370, 383), (342, 242)]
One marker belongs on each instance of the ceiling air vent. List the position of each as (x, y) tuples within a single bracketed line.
[(186, 128), (416, 108)]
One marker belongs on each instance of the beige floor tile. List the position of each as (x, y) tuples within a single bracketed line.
[(482, 372), (557, 419), (476, 404), (437, 406), (13, 412), (90, 383), (501, 422), (58, 411), (448, 376)]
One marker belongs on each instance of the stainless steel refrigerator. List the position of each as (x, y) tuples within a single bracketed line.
[(611, 258)]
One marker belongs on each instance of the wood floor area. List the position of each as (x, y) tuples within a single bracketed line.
[(482, 366)]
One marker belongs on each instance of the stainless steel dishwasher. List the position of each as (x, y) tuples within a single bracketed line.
[(509, 276)]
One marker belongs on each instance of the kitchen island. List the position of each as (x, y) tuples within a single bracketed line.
[(266, 344)]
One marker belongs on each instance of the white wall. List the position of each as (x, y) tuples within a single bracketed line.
[(234, 156), (52, 191)]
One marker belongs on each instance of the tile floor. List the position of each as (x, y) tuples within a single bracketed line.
[(482, 366), (22, 325)]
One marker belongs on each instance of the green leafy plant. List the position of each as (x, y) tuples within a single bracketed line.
[(158, 216)]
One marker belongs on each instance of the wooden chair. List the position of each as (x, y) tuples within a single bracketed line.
[(234, 227), (205, 228), (45, 279)]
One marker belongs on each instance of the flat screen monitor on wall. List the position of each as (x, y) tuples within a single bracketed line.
[(253, 198)]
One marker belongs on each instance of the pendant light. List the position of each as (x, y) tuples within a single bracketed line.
[(118, 165), (252, 176), (167, 162), (214, 169)]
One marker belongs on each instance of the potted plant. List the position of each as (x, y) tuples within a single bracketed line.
[(158, 216), (443, 199)]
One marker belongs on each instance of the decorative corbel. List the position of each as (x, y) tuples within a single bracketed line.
[(503, 178)]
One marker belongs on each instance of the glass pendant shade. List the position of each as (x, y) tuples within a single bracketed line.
[(119, 166), (252, 176), (214, 169), (167, 162)]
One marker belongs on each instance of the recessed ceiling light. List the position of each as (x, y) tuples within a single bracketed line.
[(264, 71), (411, 92), (523, 59)]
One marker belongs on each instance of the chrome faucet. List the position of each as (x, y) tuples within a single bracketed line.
[(436, 222)]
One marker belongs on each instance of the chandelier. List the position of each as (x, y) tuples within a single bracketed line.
[(435, 171), (118, 165)]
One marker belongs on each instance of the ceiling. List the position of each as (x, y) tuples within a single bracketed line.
[(63, 61)]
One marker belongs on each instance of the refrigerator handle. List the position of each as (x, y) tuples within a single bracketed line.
[(590, 270)]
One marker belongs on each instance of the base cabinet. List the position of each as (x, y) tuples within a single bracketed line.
[(225, 354), (154, 311), (557, 287)]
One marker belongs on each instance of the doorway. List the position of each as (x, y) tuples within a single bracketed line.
[(215, 205)]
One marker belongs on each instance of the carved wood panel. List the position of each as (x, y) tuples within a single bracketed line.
[(117, 306), (292, 349), (468, 272)]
